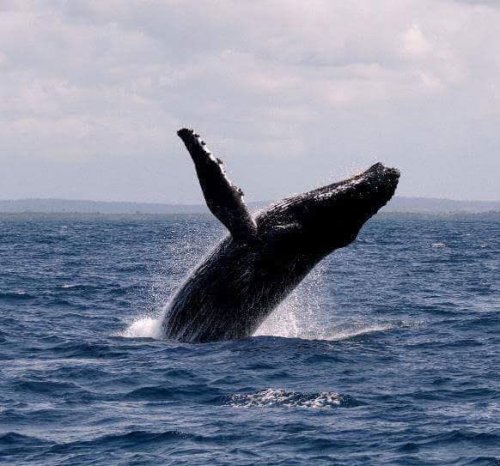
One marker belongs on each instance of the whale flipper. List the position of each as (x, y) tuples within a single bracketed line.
[(224, 199)]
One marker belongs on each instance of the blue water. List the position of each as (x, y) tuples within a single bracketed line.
[(387, 354)]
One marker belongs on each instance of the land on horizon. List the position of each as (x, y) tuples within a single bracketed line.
[(398, 204)]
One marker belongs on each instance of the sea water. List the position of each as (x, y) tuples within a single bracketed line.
[(388, 353)]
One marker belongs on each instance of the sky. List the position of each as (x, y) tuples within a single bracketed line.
[(290, 94)]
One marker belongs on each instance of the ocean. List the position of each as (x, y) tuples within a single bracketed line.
[(387, 354)]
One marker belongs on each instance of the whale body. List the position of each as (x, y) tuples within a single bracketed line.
[(263, 258)]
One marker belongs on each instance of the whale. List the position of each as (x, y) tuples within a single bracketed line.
[(263, 257)]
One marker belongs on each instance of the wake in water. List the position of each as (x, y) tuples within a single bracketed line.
[(272, 398)]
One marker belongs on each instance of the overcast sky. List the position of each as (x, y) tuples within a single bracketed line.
[(291, 94)]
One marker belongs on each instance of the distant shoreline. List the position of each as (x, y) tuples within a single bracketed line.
[(209, 216), (401, 205)]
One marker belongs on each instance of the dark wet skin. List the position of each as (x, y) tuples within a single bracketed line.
[(264, 258)]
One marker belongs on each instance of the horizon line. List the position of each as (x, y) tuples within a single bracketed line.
[(203, 203)]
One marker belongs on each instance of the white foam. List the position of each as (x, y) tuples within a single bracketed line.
[(284, 325), (273, 397), (144, 327), (355, 332)]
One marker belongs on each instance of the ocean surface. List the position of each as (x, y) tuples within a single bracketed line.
[(387, 354)]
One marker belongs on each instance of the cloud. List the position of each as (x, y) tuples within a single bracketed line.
[(324, 83)]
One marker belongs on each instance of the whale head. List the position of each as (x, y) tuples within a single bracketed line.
[(329, 217)]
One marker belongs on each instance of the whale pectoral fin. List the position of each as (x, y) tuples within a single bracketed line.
[(224, 199)]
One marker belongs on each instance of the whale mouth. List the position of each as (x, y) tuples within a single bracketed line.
[(348, 204), (331, 216), (374, 186), (378, 175), (365, 192)]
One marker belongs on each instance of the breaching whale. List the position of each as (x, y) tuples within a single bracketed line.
[(265, 257)]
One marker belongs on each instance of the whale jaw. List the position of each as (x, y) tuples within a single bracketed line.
[(330, 217)]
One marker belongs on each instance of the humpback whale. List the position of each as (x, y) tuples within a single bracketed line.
[(264, 257)]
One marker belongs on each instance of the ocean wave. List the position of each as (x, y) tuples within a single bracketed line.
[(480, 461), (86, 350), (14, 438), (14, 445), (458, 436), (16, 295), (135, 437), (200, 394), (53, 388), (78, 286)]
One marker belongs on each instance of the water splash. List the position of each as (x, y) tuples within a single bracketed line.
[(303, 316), (298, 315), (286, 323), (168, 274), (144, 327)]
